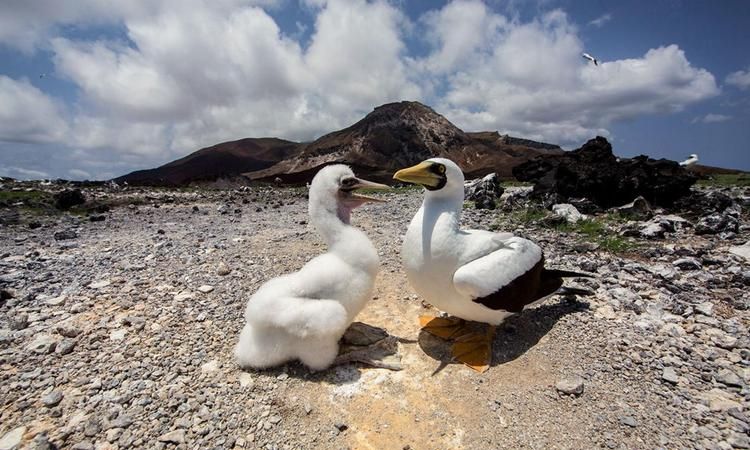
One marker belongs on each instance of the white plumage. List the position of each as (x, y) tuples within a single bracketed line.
[(303, 315), (692, 159), (471, 274), (590, 58)]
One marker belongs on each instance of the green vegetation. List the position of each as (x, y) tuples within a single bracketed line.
[(596, 230), (25, 197), (726, 180)]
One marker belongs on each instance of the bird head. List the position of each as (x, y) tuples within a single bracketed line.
[(440, 176), (333, 190)]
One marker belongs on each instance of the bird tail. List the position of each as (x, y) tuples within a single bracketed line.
[(566, 273)]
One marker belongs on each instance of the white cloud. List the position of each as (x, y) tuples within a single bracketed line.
[(78, 174), (529, 79), (740, 79), (712, 118), (28, 114), (193, 73), (601, 20), (21, 173)]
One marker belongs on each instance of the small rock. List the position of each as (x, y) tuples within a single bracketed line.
[(100, 284), (117, 335), (741, 250), (669, 375), (629, 421), (687, 264), (246, 380), (705, 308), (43, 344), (52, 399), (56, 301), (65, 346), (738, 440), (570, 385), (568, 211), (729, 378), (12, 439), (184, 295), (341, 426), (210, 367), (19, 321), (68, 329), (65, 234), (206, 289), (174, 436), (223, 269)]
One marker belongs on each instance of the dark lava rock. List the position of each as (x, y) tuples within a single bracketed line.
[(593, 172), (69, 198), (97, 218), (484, 192), (65, 234)]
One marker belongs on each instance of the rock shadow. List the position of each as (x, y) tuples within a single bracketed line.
[(514, 337)]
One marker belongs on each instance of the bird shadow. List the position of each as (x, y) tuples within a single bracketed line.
[(514, 337), (357, 337)]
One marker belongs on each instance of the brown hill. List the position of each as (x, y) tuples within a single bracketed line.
[(400, 134), (225, 160), (392, 136)]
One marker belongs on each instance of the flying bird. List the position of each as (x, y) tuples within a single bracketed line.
[(692, 159), (474, 275), (590, 58), (303, 315)]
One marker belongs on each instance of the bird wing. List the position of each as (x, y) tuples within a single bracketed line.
[(508, 278)]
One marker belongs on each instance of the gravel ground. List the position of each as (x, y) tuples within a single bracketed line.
[(119, 334)]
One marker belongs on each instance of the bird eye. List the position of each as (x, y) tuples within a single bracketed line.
[(441, 168), (348, 182)]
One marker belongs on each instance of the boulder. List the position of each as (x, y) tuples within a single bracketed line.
[(568, 211), (69, 198), (593, 172), (484, 192)]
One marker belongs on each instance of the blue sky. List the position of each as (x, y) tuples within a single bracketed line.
[(92, 89)]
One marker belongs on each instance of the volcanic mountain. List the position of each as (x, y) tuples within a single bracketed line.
[(392, 136)]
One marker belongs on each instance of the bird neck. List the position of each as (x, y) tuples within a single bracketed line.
[(344, 240), (443, 211)]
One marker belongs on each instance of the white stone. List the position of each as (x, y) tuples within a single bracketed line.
[(741, 250), (100, 284), (184, 295), (246, 380), (206, 288), (211, 366), (57, 301), (118, 335), (12, 439), (568, 211)]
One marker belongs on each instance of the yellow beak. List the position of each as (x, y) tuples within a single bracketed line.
[(419, 174)]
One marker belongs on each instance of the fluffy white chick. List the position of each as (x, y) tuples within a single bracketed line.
[(303, 315)]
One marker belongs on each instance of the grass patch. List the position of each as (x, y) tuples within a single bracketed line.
[(726, 180), (27, 197)]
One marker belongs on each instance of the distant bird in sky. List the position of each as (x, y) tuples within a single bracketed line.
[(42, 75), (591, 58), (692, 159)]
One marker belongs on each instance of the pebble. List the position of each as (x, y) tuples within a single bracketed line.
[(52, 399), (12, 439), (65, 346), (687, 264), (206, 289), (669, 375), (729, 378), (223, 269), (629, 421), (43, 344), (174, 436), (570, 385)]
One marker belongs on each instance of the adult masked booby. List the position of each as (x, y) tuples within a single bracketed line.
[(303, 315), (590, 58), (692, 159), (474, 275)]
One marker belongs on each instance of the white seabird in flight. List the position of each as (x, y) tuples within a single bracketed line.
[(692, 159), (590, 58), (474, 275), (303, 315)]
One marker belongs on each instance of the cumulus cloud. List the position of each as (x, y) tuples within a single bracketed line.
[(601, 20), (711, 118), (740, 79), (27, 114), (191, 73), (528, 79)]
